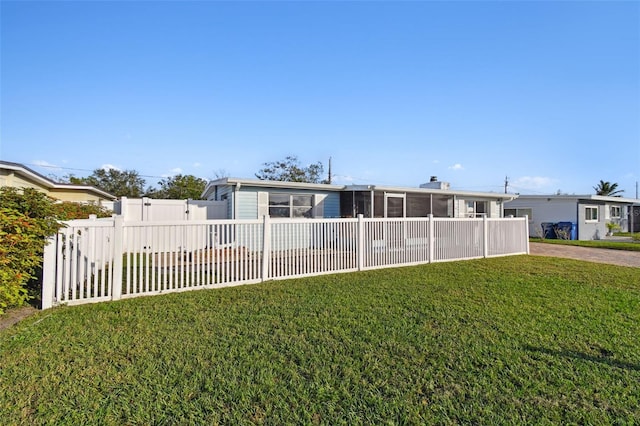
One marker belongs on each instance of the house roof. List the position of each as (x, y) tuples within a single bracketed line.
[(239, 182), (497, 195), (326, 187), (586, 197), (45, 182)]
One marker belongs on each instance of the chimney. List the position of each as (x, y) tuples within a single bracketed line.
[(434, 183)]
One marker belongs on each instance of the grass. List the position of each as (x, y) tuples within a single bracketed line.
[(613, 245), (493, 341), (634, 236)]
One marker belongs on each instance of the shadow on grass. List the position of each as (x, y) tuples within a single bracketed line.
[(34, 289), (605, 356)]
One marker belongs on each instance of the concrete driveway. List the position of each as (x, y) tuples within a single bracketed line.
[(613, 257)]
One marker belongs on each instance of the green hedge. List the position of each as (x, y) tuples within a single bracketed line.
[(27, 218)]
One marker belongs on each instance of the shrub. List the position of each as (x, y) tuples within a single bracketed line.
[(23, 240), (26, 219), (67, 210)]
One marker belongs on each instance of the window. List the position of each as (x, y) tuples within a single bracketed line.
[(290, 205), (522, 212), (591, 214), (616, 212), (476, 208)]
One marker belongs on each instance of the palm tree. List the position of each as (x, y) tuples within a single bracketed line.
[(608, 188)]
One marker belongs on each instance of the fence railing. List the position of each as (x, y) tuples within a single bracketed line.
[(109, 259)]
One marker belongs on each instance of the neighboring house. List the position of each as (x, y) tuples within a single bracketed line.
[(253, 198), (588, 214), (19, 176)]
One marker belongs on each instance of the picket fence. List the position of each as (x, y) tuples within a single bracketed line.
[(96, 260)]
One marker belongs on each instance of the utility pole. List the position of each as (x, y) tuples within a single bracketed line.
[(329, 171), (506, 183)]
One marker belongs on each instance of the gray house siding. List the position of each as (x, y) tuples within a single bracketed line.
[(548, 210), (247, 204), (591, 230), (574, 208), (331, 205)]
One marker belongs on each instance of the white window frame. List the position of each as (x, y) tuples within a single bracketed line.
[(396, 196), (521, 212), (291, 207), (589, 217), (615, 212), (472, 208)]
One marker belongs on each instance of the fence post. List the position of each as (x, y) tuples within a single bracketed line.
[(485, 236), (360, 244), (118, 244), (49, 273), (526, 232), (266, 247), (431, 238)]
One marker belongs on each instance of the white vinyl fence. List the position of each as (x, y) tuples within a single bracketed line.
[(97, 260), (152, 209)]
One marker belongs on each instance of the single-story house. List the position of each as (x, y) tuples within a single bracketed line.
[(254, 198), (587, 215), (19, 176)]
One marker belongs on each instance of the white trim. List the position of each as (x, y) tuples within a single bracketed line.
[(591, 207)]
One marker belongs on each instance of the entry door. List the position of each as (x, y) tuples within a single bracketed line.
[(394, 205)]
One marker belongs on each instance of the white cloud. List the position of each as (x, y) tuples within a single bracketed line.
[(196, 165), (456, 166), (107, 167)]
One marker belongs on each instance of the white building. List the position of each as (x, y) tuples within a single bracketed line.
[(588, 214)]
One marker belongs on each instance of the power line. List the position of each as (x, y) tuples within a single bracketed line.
[(83, 170)]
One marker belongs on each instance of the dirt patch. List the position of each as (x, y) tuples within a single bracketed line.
[(15, 315)]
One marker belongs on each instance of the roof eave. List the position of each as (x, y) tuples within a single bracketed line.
[(48, 183)]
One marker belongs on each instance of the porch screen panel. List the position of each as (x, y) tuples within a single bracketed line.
[(346, 204), (362, 203), (418, 205), (378, 204), (441, 205), (395, 207)]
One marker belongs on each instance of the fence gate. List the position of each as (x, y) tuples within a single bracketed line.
[(154, 209)]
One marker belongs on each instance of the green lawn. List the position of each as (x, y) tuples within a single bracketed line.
[(508, 340), (613, 245)]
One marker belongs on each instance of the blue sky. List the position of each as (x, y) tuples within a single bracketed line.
[(546, 93)]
